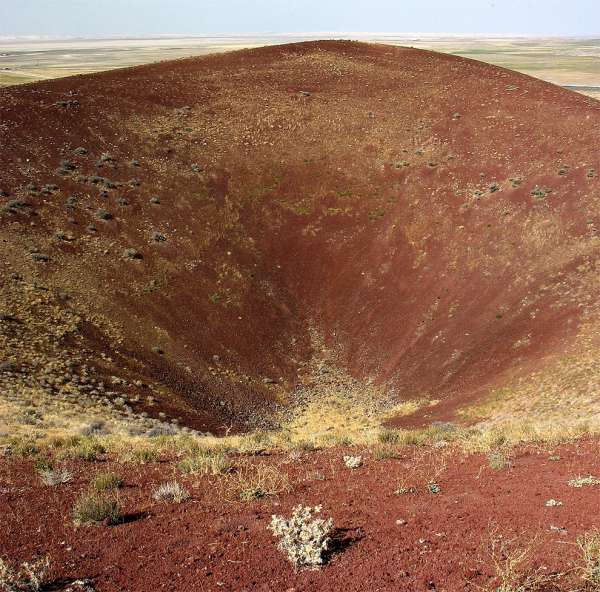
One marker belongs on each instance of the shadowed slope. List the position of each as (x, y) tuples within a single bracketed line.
[(433, 219)]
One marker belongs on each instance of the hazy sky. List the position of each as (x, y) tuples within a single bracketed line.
[(148, 17)]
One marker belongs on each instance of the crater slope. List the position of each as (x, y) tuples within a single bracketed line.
[(187, 238)]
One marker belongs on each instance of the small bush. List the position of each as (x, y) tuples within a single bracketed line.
[(106, 482), (434, 487), (498, 460), (106, 157), (579, 481), (171, 491), (385, 452), (303, 538), (94, 508), (95, 428), (514, 567), (53, 477), (27, 577), (353, 462), (388, 436), (43, 464)]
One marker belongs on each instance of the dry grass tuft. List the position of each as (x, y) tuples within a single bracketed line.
[(514, 567), (171, 491), (106, 482), (252, 482), (589, 544), (96, 508), (205, 462)]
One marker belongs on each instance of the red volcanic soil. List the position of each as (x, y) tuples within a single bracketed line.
[(434, 219), (382, 541)]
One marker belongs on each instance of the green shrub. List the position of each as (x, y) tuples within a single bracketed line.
[(95, 508), (388, 436), (385, 452), (106, 481)]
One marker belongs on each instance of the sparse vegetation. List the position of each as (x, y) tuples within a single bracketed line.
[(88, 449), (131, 253), (253, 482), (498, 460), (580, 481), (102, 214), (106, 482), (140, 456), (388, 436), (541, 192), (205, 462), (589, 544), (383, 452), (96, 508), (513, 566)]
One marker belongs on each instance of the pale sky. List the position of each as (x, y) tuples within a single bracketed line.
[(93, 18)]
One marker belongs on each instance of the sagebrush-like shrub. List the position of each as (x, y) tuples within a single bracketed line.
[(303, 538), (580, 481), (27, 577), (53, 477), (353, 462), (498, 460), (171, 491)]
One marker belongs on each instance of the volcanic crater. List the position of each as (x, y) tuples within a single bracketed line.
[(193, 235)]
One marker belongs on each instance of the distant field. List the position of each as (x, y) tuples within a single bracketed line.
[(574, 63)]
